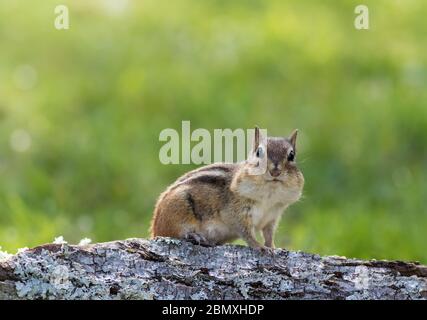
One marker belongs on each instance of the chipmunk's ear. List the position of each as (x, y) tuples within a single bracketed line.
[(256, 138), (257, 158), (293, 138), (259, 139)]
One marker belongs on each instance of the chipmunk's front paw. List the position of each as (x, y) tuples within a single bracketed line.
[(265, 249), (268, 250)]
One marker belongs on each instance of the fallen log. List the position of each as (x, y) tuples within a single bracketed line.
[(166, 268)]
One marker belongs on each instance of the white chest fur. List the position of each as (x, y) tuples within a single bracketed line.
[(271, 199)]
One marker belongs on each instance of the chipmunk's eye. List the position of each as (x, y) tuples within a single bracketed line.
[(259, 152), (291, 155)]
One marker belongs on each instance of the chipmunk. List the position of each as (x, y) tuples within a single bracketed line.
[(221, 202)]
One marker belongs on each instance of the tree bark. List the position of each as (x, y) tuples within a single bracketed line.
[(166, 268)]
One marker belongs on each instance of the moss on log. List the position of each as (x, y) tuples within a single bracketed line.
[(166, 268)]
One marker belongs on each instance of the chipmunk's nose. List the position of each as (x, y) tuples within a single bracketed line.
[(275, 172)]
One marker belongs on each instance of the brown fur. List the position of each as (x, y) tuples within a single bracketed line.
[(222, 202)]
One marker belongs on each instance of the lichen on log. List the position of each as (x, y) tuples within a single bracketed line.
[(165, 268)]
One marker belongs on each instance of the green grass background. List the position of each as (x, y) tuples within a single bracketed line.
[(96, 97)]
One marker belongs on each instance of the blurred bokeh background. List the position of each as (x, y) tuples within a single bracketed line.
[(81, 111)]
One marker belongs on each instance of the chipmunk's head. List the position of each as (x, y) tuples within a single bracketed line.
[(274, 158)]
